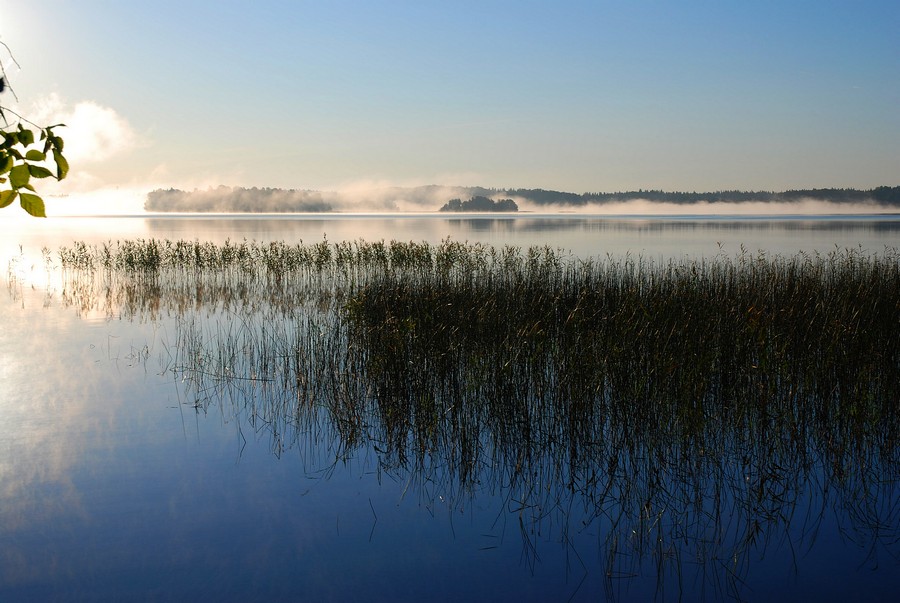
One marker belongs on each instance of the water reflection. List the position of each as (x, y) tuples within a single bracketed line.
[(607, 448), (585, 236)]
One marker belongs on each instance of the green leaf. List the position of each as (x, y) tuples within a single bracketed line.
[(6, 164), (53, 142), (39, 172), (32, 204), (19, 176), (7, 197), (62, 166), (35, 155), (26, 137)]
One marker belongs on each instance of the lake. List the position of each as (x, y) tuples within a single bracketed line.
[(653, 237), (149, 451)]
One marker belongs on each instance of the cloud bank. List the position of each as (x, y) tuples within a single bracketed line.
[(95, 137), (92, 133)]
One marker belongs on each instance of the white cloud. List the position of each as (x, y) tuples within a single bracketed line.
[(93, 133)]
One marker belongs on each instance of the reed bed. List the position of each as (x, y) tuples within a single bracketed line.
[(702, 401)]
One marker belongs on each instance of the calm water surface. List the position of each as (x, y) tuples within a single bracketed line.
[(653, 237), (120, 481)]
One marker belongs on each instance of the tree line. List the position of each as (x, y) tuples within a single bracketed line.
[(225, 199), (480, 203), (882, 195)]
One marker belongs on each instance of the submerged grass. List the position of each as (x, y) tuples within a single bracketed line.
[(658, 398)]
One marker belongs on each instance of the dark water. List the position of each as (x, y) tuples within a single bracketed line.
[(120, 479)]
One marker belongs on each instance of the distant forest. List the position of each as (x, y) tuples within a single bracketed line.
[(480, 203), (888, 196), (227, 199)]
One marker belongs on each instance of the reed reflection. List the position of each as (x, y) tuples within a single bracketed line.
[(687, 416)]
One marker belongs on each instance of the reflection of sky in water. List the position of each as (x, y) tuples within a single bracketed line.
[(586, 236), (110, 481), (107, 486)]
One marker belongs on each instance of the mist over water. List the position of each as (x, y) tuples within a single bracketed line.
[(807, 207), (363, 198), (385, 198)]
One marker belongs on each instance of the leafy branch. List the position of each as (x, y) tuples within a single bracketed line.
[(27, 153)]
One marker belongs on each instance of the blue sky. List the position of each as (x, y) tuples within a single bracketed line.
[(577, 96)]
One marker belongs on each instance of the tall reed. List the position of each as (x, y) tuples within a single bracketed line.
[(698, 401)]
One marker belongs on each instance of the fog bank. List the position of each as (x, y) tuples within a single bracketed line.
[(365, 199)]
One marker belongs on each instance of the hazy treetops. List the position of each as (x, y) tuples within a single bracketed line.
[(430, 198)]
